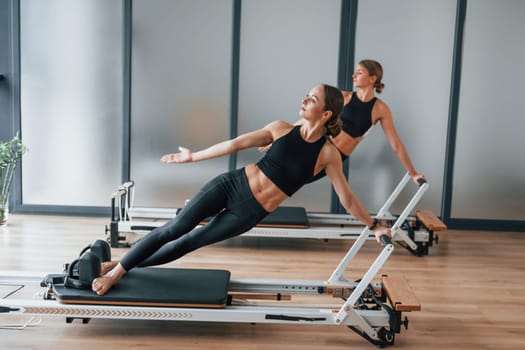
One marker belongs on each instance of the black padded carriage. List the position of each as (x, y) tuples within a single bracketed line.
[(292, 217), (158, 287)]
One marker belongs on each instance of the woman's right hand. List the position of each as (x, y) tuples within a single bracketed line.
[(380, 231), (416, 177)]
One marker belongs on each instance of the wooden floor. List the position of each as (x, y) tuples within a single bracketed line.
[(471, 287)]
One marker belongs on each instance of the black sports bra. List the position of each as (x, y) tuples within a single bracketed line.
[(291, 160), (357, 116)]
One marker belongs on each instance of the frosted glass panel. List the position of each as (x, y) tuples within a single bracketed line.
[(71, 100), (180, 94), (413, 40), (287, 47), (489, 180)]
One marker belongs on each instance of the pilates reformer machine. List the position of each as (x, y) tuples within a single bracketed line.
[(417, 233), (372, 309)]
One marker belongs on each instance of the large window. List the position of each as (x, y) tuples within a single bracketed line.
[(180, 94), (489, 181), (71, 100)]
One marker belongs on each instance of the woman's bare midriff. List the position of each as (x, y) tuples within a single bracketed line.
[(345, 143), (264, 190)]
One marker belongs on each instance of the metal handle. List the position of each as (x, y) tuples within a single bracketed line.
[(128, 184), (385, 240)]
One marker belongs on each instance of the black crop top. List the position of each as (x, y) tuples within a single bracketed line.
[(290, 162), (357, 116)]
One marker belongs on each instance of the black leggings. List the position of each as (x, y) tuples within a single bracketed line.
[(227, 198)]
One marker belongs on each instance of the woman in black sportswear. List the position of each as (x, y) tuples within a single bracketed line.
[(361, 111), (239, 199)]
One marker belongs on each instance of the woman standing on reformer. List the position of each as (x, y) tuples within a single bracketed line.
[(241, 198)]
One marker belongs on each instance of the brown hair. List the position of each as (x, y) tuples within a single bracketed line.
[(374, 68), (333, 101)]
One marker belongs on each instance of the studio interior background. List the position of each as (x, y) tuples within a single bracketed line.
[(100, 90)]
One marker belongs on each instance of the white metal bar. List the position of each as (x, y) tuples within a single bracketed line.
[(384, 211), (410, 206), (28, 279), (302, 287), (311, 232), (396, 228), (153, 213), (369, 275), (243, 314), (313, 218), (337, 275), (348, 307), (278, 286)]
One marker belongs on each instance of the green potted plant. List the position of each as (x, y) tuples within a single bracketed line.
[(10, 153)]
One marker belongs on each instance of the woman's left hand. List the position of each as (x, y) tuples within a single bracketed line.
[(183, 156)]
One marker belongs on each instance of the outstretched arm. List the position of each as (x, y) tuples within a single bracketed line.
[(348, 199), (256, 138), (387, 123)]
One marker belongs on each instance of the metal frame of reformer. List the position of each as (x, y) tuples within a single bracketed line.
[(378, 325), (322, 225)]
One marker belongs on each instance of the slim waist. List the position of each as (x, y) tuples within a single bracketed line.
[(263, 189)]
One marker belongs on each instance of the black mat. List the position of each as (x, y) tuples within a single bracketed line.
[(283, 217), (286, 217), (158, 287)]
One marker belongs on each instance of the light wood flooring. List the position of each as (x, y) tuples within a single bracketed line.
[(471, 287)]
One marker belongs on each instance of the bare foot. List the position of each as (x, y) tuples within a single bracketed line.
[(107, 266), (102, 284)]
